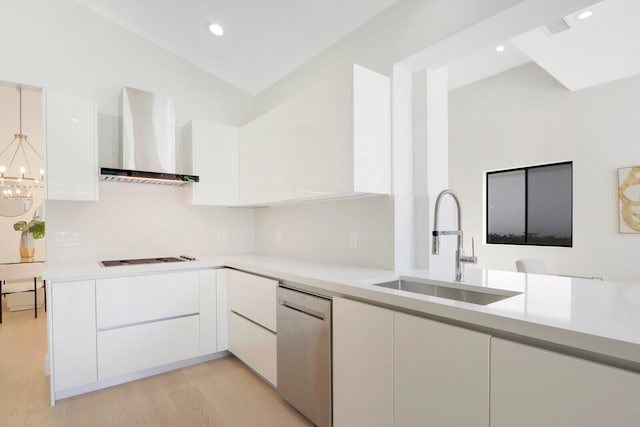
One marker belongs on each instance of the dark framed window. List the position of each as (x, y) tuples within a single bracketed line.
[(531, 205)]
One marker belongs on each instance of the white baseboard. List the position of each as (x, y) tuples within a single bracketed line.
[(137, 375)]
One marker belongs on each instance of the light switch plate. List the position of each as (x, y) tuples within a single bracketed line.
[(223, 236), (67, 238)]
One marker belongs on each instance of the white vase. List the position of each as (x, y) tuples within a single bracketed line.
[(27, 247)]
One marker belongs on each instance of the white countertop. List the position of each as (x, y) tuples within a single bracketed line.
[(587, 315)]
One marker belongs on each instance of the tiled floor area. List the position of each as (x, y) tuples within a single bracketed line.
[(219, 393)]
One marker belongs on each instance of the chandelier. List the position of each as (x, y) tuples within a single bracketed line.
[(18, 187)]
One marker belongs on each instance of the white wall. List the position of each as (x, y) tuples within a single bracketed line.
[(524, 117), (322, 231), (141, 220), (66, 48), (403, 29)]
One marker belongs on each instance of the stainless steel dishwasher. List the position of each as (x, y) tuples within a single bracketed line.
[(304, 353)]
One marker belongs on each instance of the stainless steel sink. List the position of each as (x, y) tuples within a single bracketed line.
[(474, 297)]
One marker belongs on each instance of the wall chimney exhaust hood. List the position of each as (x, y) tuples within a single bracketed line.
[(148, 141)]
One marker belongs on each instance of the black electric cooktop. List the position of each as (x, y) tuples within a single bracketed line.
[(139, 261)]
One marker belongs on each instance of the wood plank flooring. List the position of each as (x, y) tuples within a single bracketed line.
[(219, 393)]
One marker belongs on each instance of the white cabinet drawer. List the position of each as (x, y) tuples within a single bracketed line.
[(254, 297), (127, 300), (126, 350), (254, 345)]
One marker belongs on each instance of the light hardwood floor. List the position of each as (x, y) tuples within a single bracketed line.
[(219, 393)]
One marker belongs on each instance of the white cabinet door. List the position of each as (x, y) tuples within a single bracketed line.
[(362, 365), (255, 346), (214, 158), (208, 312), (222, 310), (127, 350), (441, 374), (127, 300), (536, 387), (253, 297), (332, 139), (73, 346), (371, 132), (71, 148)]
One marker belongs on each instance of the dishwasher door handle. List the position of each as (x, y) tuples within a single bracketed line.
[(302, 309)]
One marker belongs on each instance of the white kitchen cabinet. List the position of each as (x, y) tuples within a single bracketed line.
[(71, 148), (441, 374), (134, 299), (255, 346), (362, 365), (536, 387), (331, 140), (253, 297), (215, 159), (131, 349), (208, 312), (73, 346), (222, 309)]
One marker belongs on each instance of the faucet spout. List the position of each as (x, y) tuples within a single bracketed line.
[(435, 239)]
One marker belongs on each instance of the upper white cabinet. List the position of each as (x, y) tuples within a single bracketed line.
[(329, 141), (214, 158), (536, 387), (71, 148)]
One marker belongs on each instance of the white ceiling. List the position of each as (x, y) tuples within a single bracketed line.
[(603, 48), (485, 64), (263, 42), (597, 50)]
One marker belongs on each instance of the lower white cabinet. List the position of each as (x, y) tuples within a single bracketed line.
[(254, 297), (222, 309), (133, 299), (536, 387), (109, 328), (441, 374), (73, 315), (131, 349), (208, 313), (393, 369), (362, 365), (254, 345)]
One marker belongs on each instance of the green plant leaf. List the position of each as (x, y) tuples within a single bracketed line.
[(20, 226), (37, 228)]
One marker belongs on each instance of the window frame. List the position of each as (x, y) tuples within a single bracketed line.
[(526, 205)]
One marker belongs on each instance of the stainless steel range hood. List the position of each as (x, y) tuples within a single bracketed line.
[(148, 141)]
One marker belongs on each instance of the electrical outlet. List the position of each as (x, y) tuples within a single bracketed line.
[(67, 238), (353, 240), (223, 236), (278, 236)]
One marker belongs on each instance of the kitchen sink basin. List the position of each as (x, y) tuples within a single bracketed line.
[(473, 297)]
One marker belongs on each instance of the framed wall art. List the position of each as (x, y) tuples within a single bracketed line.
[(629, 199)]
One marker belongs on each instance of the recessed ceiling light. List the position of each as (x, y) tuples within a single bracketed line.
[(585, 15), (216, 29), (500, 48)]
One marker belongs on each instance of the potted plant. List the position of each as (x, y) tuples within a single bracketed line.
[(33, 229)]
